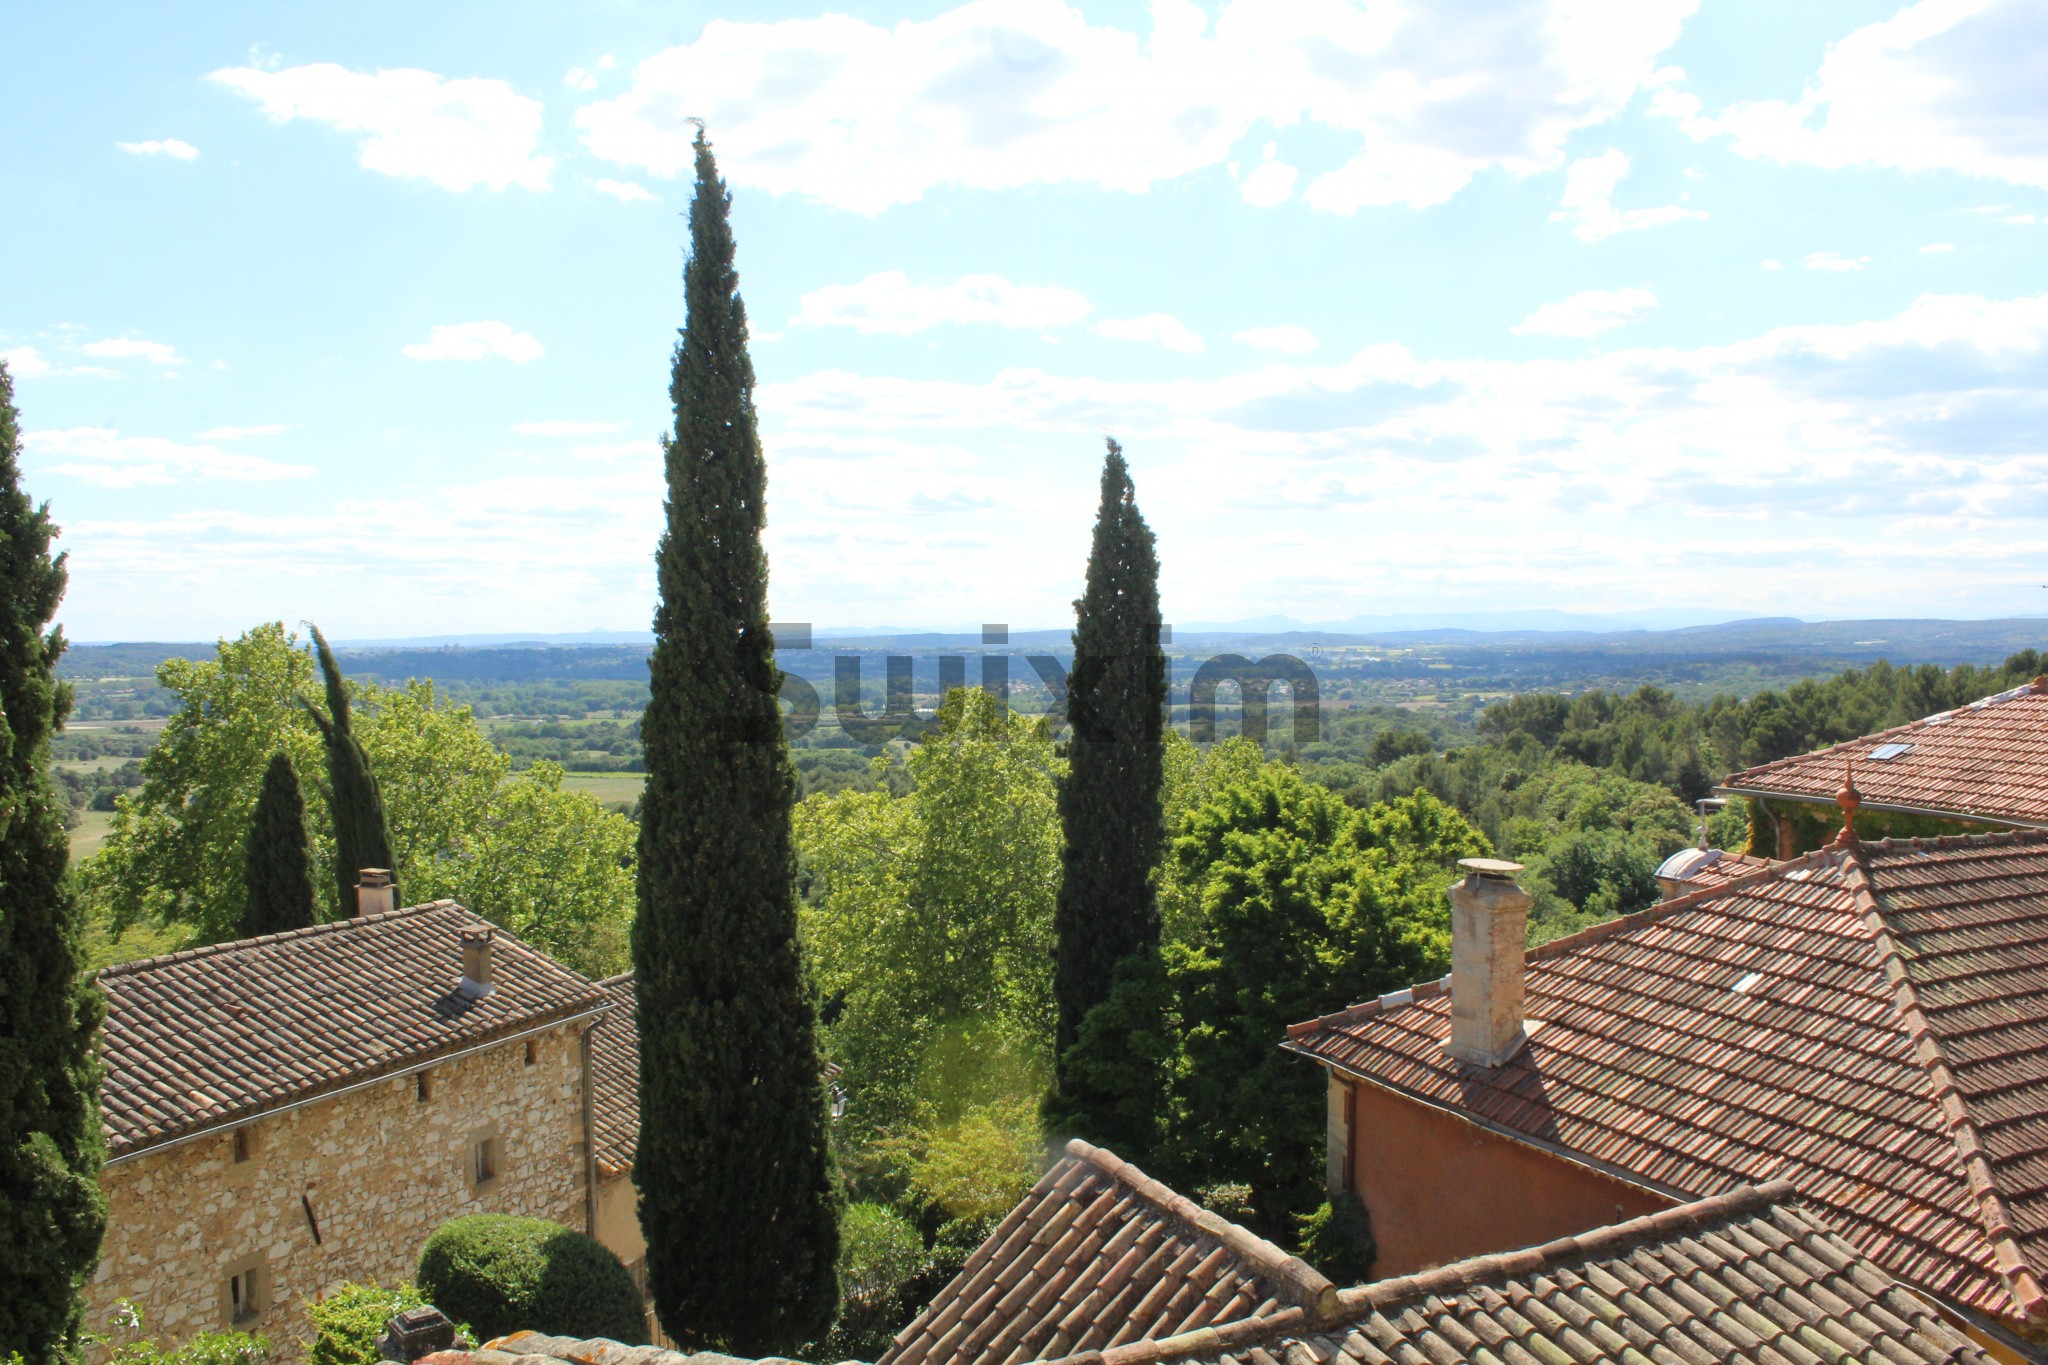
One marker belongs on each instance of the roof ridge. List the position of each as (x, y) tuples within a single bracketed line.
[(2037, 686), (1380, 1295), (289, 935), (1928, 1054), (621, 978), (1307, 1286)]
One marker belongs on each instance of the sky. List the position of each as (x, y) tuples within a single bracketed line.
[(363, 314)]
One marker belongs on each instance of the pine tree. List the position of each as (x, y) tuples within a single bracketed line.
[(51, 1211), (276, 869), (734, 1172), (361, 836), (1110, 800)]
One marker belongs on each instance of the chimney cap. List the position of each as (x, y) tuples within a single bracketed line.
[(374, 876), (475, 933), (1497, 868)]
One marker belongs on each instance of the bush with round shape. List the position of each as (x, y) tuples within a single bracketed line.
[(502, 1274)]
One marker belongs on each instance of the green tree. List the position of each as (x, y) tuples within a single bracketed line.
[(51, 1211), (734, 1172), (275, 870), (1110, 802), (1305, 906), (362, 839)]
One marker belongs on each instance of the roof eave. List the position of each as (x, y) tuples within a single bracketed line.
[(1892, 807)]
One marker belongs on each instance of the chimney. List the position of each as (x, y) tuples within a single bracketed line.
[(374, 891), (1489, 937), (476, 962)]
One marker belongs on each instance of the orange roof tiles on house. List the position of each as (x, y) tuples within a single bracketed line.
[(615, 1079), (1100, 1255), (1985, 761), (1741, 1277), (211, 1036), (1870, 1023)]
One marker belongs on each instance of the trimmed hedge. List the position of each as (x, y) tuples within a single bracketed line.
[(502, 1274)]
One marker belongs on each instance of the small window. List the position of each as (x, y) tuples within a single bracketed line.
[(484, 1161), (422, 1087), (1885, 752), (245, 1292), (532, 1052), (241, 1144)]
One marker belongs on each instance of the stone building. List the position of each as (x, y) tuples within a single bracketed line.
[(289, 1112)]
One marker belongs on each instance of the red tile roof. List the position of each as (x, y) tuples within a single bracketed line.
[(1871, 1025), (1098, 1255), (615, 1079), (214, 1035), (1985, 761)]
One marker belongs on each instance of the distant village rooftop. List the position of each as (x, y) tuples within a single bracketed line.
[(1986, 761), (200, 1040), (1869, 1022)]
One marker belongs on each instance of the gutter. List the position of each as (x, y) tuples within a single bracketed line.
[(2005, 821), (228, 1125)]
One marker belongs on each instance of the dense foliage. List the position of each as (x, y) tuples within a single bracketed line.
[(1110, 810), (51, 1212), (276, 872), (734, 1172), (501, 1274), (547, 864), (355, 804), (207, 1348), (1300, 905), (349, 1321), (881, 1254)]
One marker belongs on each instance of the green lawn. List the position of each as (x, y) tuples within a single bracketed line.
[(90, 833), (607, 787)]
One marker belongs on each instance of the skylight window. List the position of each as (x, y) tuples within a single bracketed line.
[(1885, 751), (1744, 986)]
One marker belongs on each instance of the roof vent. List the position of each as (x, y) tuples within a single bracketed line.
[(476, 980)]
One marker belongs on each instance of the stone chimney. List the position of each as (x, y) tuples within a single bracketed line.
[(476, 980), (1489, 937), (375, 892)]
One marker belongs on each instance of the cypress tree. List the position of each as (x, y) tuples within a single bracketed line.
[(1110, 801), (276, 869), (361, 837), (51, 1211), (734, 1172)]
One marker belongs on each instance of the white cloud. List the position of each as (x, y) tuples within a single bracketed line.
[(626, 190), (1160, 329), (458, 133), (131, 348), (1272, 183), (1286, 337), (889, 303), (103, 457), (579, 79), (1836, 262), (1588, 201), (170, 147), (1772, 265), (995, 94), (1588, 313), (241, 433), (1954, 85), (23, 361), (1937, 248), (566, 428), (476, 341)]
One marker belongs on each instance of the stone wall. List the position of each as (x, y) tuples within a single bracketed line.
[(378, 1170)]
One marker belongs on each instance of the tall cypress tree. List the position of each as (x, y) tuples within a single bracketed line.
[(51, 1211), (1110, 801), (275, 868), (361, 836), (736, 1189)]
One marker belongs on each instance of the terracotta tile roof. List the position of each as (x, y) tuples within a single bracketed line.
[(1987, 760), (217, 1034), (1704, 867), (615, 1079), (1872, 1026), (1099, 1255), (1741, 1277)]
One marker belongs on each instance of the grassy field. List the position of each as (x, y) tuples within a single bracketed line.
[(607, 786), (90, 833)]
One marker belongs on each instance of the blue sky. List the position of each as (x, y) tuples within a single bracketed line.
[(362, 314)]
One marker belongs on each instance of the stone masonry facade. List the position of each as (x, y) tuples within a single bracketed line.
[(376, 1169)]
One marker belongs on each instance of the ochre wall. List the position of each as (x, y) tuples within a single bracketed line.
[(1440, 1188), (381, 1169), (618, 1218)]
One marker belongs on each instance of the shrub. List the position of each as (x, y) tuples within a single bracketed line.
[(880, 1255), (208, 1348), (1337, 1240), (502, 1274), (348, 1322)]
